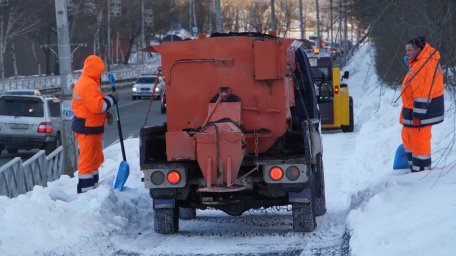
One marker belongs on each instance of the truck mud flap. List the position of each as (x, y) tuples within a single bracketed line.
[(305, 196), (164, 203)]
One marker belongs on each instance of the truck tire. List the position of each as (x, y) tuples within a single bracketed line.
[(319, 187), (303, 217), (187, 213), (52, 145), (351, 126), (166, 221), (12, 151)]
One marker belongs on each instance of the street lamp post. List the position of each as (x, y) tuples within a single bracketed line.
[(69, 149)]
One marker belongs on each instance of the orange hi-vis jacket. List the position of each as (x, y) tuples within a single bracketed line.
[(88, 104), (422, 90)]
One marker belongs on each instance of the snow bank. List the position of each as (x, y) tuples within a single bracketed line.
[(411, 214)]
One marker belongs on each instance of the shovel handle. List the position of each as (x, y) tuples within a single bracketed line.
[(112, 80)]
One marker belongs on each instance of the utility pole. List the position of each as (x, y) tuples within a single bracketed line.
[(69, 149), (301, 23), (109, 34), (142, 31), (218, 16), (211, 15), (273, 17), (190, 20), (331, 20), (318, 25)]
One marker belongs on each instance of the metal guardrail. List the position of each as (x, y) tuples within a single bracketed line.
[(50, 82), (18, 178)]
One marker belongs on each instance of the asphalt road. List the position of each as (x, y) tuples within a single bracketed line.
[(132, 114)]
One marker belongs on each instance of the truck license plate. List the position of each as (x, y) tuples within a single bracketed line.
[(313, 62)]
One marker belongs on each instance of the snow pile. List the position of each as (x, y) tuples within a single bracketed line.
[(384, 213), (55, 216)]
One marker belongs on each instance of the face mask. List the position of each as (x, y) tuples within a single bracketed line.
[(406, 62)]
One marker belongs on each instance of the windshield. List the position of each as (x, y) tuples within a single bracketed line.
[(321, 73), (21, 107), (146, 80)]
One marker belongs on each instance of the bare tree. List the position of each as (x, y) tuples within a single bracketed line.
[(14, 22), (392, 23)]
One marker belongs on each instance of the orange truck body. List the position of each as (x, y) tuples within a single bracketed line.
[(257, 78), (231, 119)]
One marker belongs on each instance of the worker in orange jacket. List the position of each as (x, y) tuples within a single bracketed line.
[(90, 109), (422, 102)]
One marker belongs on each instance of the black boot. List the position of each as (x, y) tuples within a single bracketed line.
[(85, 183), (95, 178)]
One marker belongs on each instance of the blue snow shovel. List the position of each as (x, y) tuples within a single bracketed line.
[(124, 169), (400, 159)]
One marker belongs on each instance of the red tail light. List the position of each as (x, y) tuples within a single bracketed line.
[(173, 177), (276, 173), (45, 127)]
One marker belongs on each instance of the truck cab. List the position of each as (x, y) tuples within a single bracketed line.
[(337, 114)]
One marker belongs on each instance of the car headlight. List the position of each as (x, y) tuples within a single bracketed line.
[(134, 89), (157, 89)]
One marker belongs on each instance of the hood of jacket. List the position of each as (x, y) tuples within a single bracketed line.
[(93, 67)]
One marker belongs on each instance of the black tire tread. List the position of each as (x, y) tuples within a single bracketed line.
[(12, 150), (351, 126), (319, 184), (303, 217), (166, 221)]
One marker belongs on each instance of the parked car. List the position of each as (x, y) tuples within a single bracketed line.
[(22, 92), (145, 84), (29, 120)]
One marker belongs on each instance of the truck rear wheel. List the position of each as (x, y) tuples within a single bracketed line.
[(12, 151), (52, 145), (187, 213), (319, 187), (303, 217), (166, 221)]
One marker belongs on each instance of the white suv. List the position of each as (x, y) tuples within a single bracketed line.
[(29, 120)]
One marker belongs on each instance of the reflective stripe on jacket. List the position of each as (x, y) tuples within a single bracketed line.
[(422, 97), (88, 103)]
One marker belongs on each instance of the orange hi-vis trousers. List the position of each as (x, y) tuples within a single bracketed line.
[(89, 160), (417, 145)]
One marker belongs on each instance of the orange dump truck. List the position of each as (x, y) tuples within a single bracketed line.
[(242, 131)]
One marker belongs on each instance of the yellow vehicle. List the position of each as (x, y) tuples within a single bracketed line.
[(339, 113)]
